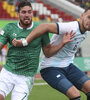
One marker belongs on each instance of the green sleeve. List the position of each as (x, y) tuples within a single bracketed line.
[(4, 36)]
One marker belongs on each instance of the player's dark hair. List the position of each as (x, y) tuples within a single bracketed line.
[(87, 9), (24, 3)]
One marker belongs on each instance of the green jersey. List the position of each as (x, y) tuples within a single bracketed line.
[(22, 60)]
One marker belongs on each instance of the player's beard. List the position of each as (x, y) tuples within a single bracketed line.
[(83, 25), (26, 24)]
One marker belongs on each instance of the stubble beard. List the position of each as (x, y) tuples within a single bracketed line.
[(83, 24), (25, 24)]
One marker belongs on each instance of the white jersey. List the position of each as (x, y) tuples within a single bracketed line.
[(65, 55)]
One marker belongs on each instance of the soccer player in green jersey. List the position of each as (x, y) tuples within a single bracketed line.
[(22, 62)]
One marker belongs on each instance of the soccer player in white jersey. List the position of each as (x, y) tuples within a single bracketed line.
[(59, 71), (17, 75)]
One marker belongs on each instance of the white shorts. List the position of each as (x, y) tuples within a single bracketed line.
[(19, 84), (4, 52)]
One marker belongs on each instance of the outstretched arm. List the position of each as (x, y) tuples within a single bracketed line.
[(50, 50), (42, 29), (39, 30)]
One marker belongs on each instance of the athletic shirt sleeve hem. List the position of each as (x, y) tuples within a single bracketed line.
[(57, 28)]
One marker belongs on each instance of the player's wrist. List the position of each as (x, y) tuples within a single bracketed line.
[(62, 43), (24, 42)]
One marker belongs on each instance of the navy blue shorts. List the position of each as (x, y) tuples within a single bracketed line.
[(62, 79)]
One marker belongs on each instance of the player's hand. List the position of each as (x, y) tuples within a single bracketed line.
[(17, 43), (68, 37)]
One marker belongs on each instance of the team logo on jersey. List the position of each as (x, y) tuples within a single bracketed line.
[(1, 32), (14, 34), (58, 75)]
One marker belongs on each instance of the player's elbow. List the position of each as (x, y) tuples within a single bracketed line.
[(48, 55), (49, 27)]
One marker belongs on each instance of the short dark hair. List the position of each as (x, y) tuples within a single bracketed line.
[(24, 3), (87, 9)]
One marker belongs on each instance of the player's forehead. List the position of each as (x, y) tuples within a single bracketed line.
[(87, 13), (26, 8), (87, 10)]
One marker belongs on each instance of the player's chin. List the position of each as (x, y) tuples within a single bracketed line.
[(27, 23)]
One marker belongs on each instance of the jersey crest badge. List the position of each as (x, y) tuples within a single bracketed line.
[(14, 34)]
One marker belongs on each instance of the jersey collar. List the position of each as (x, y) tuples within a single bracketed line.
[(26, 28)]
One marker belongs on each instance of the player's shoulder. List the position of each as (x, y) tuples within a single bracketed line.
[(11, 25), (64, 27), (72, 25), (68, 23)]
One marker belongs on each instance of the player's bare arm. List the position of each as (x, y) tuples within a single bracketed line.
[(39, 30), (50, 50), (42, 29), (18, 43)]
